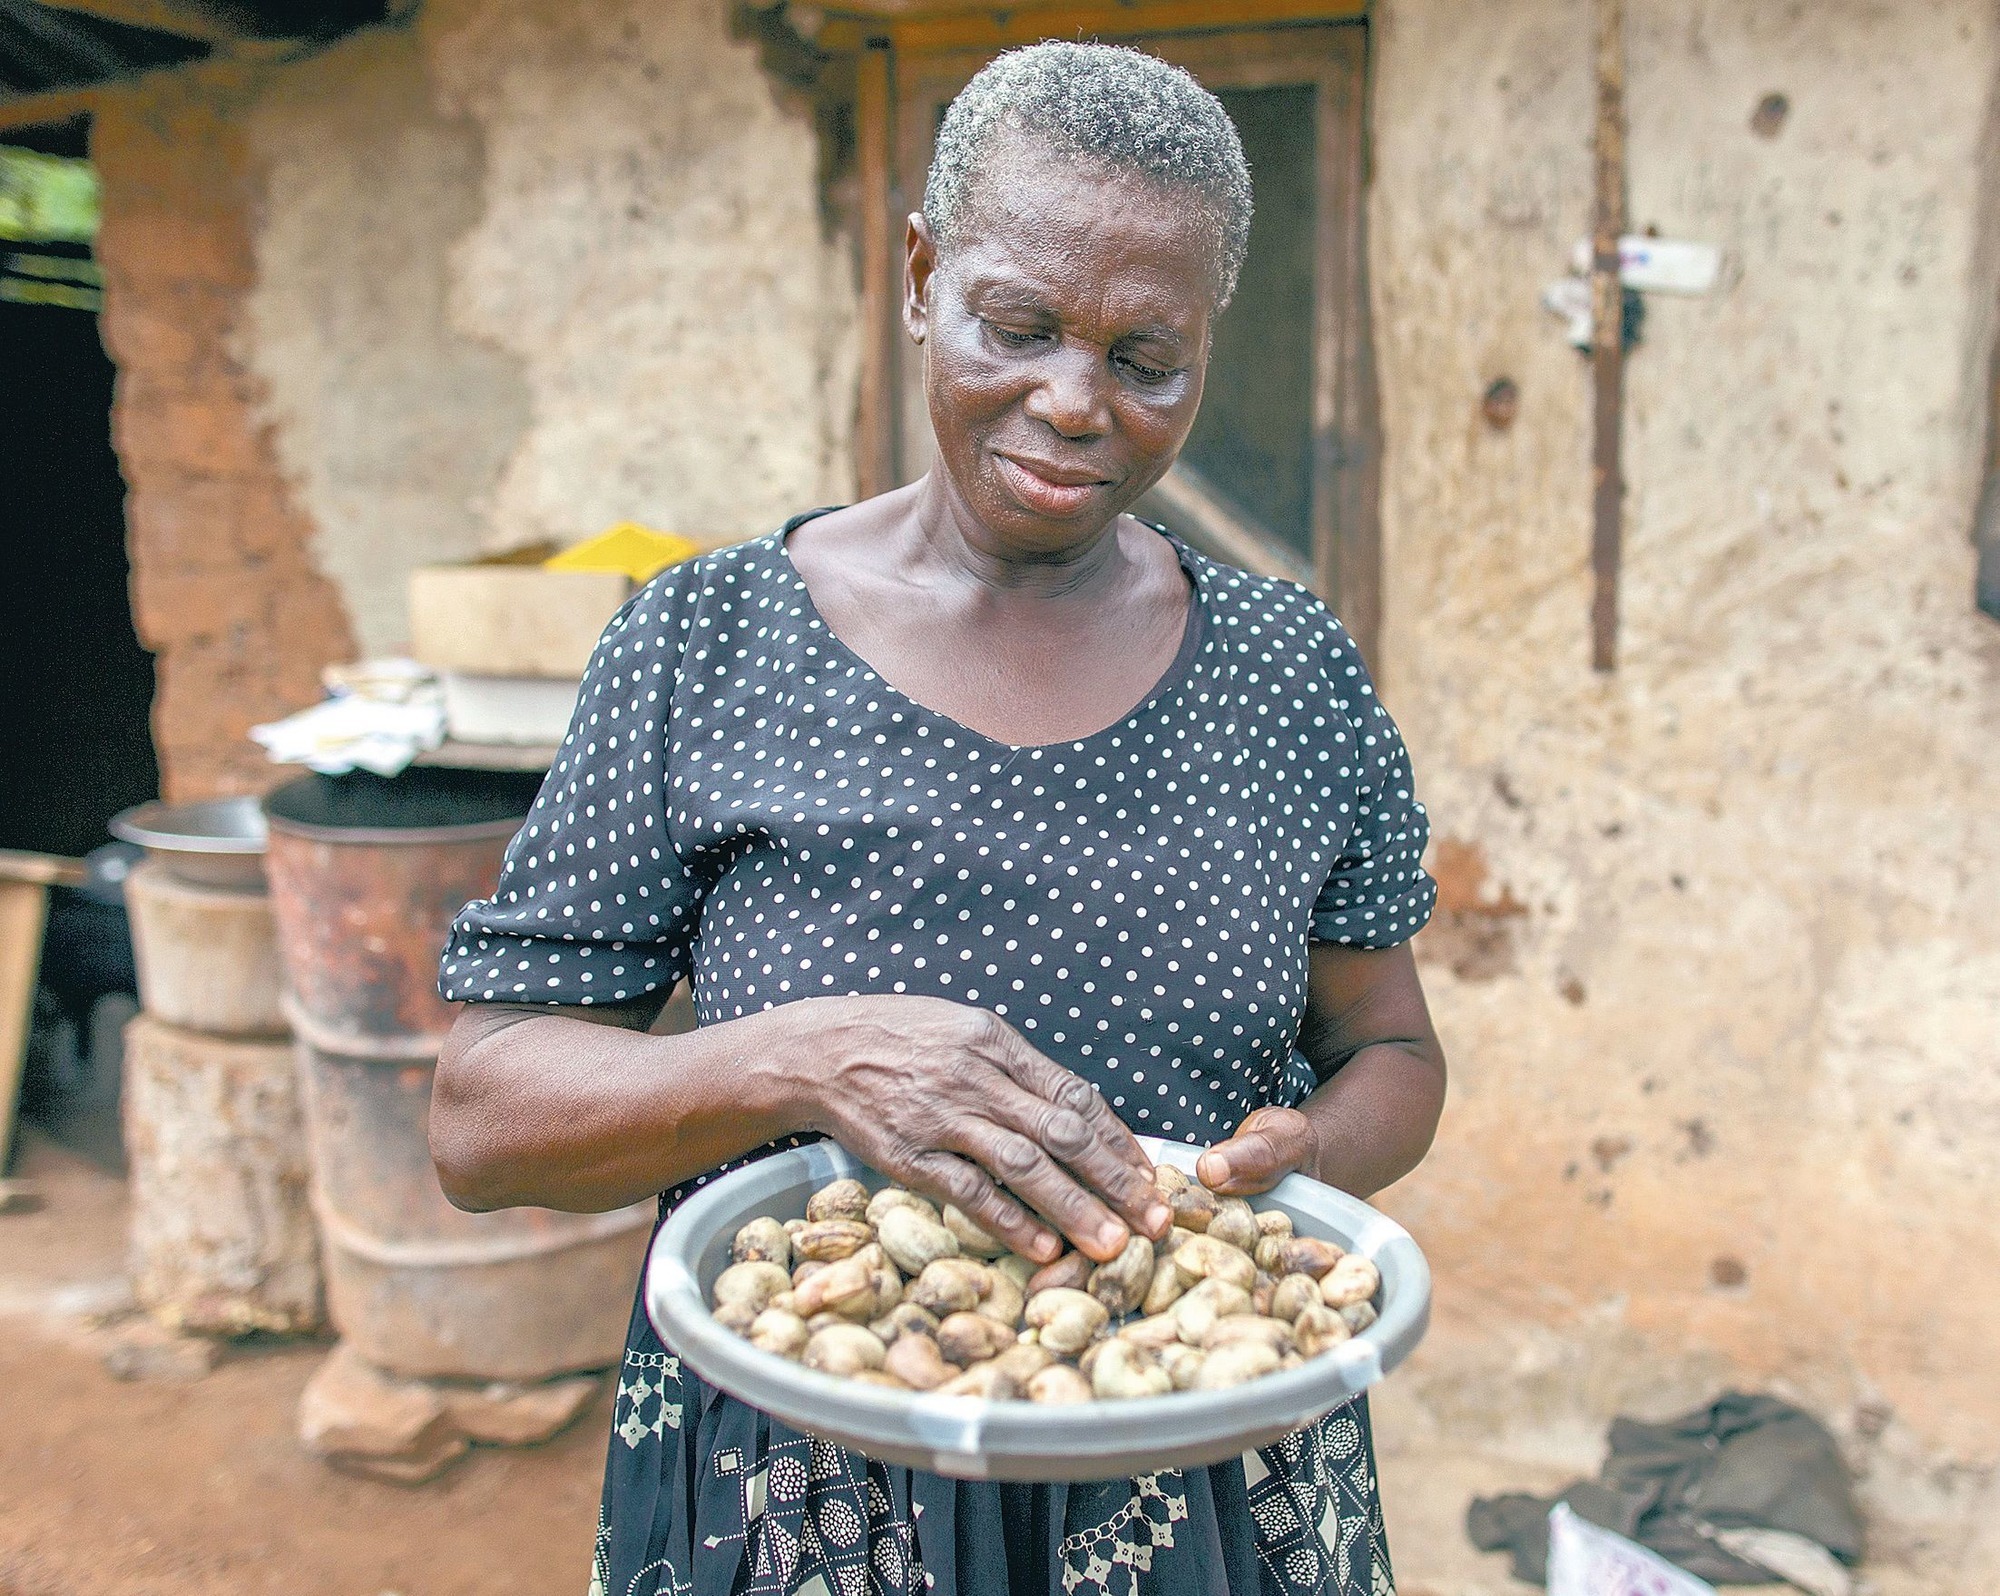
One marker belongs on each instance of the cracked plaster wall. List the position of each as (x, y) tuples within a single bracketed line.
[(525, 271), (1719, 967)]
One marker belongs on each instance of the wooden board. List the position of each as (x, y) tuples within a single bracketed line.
[(23, 913)]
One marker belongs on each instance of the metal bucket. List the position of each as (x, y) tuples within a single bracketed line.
[(363, 905)]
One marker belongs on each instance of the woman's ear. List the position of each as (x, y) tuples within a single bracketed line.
[(919, 267)]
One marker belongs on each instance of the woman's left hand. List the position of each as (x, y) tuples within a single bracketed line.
[(1267, 1146)]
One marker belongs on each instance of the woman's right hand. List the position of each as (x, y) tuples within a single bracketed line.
[(951, 1101)]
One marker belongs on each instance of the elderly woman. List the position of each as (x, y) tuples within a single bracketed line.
[(990, 825)]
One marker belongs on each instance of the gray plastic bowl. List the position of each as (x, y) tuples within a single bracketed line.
[(970, 1438)]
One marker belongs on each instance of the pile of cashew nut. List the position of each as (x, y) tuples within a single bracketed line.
[(887, 1291)]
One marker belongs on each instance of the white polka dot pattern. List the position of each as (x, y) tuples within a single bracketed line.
[(741, 798)]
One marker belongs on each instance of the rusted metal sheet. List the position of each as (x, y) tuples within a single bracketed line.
[(416, 1286)]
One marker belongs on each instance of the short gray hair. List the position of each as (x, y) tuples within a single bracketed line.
[(1102, 102)]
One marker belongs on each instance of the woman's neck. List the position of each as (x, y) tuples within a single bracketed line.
[(947, 541)]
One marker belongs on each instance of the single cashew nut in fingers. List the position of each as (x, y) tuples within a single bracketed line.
[(775, 1330), (1072, 1269), (1235, 1364), (969, 1338), (1121, 1284), (1170, 1178), (917, 1362), (844, 1349), (1059, 1384), (912, 1241), (1124, 1369), (751, 1285), (1318, 1329), (762, 1241), (1193, 1206), (838, 1199), (1234, 1222), (1293, 1295), (897, 1197), (1354, 1279), (830, 1240), (971, 1238), (1067, 1320)]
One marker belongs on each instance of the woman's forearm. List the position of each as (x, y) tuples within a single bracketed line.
[(559, 1112), (1373, 1121)]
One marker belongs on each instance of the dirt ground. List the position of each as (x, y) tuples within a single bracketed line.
[(145, 1489)]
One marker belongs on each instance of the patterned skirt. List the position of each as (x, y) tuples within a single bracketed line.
[(704, 1496)]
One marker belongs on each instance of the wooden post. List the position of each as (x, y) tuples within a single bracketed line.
[(881, 277), (1608, 343)]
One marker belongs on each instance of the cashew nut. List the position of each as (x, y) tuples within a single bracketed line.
[(970, 1237), (950, 1285), (1308, 1255), (1059, 1384), (750, 1285), (896, 1197), (1205, 1258), (1235, 1364), (1068, 1320), (905, 1319), (986, 1380), (1121, 1284), (1354, 1279), (777, 1331), (1235, 1327), (838, 1199), (843, 1349), (1193, 1206), (1234, 1222), (762, 1241), (1126, 1369), (1206, 1302), (1182, 1364), (1293, 1294), (1358, 1316), (1318, 1329), (1072, 1269), (969, 1338), (912, 1241), (830, 1240), (916, 1361)]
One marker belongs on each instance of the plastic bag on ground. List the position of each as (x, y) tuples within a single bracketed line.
[(1585, 1560)]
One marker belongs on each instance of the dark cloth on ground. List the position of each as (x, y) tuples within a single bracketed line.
[(1741, 1462)]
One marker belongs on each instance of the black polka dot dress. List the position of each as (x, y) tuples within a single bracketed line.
[(742, 801)]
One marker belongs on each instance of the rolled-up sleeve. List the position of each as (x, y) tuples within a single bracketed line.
[(1377, 894), (593, 904)]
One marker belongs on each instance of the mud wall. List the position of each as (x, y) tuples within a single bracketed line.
[(1718, 963)]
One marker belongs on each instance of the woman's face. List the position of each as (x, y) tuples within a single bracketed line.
[(1065, 333)]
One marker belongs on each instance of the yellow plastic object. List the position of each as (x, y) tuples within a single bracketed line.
[(628, 548)]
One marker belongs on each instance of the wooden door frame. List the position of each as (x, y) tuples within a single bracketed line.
[(1331, 55)]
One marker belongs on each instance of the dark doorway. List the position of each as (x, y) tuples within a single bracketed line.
[(76, 689)]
